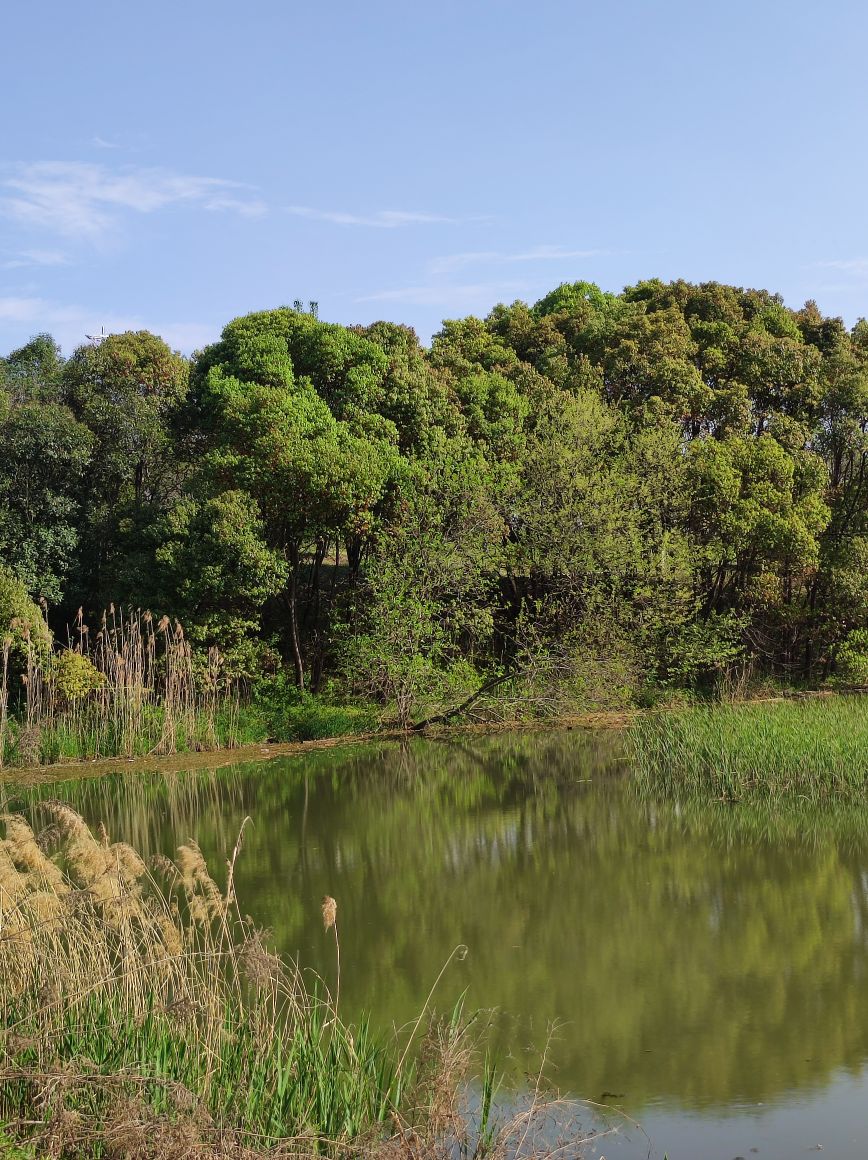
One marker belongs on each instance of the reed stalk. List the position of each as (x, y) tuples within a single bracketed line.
[(5, 648), (330, 922), (138, 689), (142, 1017)]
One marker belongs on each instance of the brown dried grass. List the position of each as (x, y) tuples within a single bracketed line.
[(91, 928)]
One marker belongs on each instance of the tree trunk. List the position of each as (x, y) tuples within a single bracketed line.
[(292, 600)]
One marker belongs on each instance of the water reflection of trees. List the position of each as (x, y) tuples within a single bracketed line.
[(695, 951)]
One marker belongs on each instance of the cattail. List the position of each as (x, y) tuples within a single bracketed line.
[(330, 922)]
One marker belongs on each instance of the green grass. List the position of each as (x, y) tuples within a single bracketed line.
[(282, 713), (137, 1018), (814, 750), (84, 734), (315, 1078), (140, 1019), (9, 1150)]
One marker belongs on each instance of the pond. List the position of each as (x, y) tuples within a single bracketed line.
[(701, 970)]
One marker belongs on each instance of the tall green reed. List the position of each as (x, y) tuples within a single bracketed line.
[(812, 749), (133, 688), (142, 1016)]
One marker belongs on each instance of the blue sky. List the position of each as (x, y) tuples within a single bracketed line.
[(171, 166)]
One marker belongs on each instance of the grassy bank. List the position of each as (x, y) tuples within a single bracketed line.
[(812, 749), (141, 1017), (87, 734), (139, 689)]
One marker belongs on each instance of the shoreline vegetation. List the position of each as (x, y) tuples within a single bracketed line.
[(647, 508), (238, 747), (594, 502), (802, 751), (167, 1027), (137, 696)]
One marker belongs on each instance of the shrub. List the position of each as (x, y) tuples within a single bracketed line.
[(72, 676), (20, 620), (851, 660)]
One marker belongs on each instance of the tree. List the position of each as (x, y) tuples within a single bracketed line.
[(215, 572), (33, 371), (313, 477), (44, 453), (425, 619), (126, 391), (21, 622), (597, 558)]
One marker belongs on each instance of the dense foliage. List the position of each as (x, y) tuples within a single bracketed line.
[(593, 498)]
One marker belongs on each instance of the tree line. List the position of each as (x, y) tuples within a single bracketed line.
[(589, 500)]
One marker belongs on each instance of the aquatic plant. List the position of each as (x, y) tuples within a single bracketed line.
[(813, 749), (142, 1016), (137, 1016)]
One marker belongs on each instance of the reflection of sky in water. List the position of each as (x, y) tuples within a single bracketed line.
[(708, 967), (832, 1124)]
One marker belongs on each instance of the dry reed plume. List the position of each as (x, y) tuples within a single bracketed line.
[(133, 687), (144, 1020), (330, 922)]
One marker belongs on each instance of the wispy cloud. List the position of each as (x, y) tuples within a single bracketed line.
[(82, 200), (451, 297), (247, 207), (28, 258), (20, 309), (442, 293), (850, 265), (100, 143), (849, 288), (850, 276), (452, 262), (384, 219), (187, 336), (70, 324)]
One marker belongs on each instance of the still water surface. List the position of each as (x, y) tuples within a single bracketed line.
[(703, 969)]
